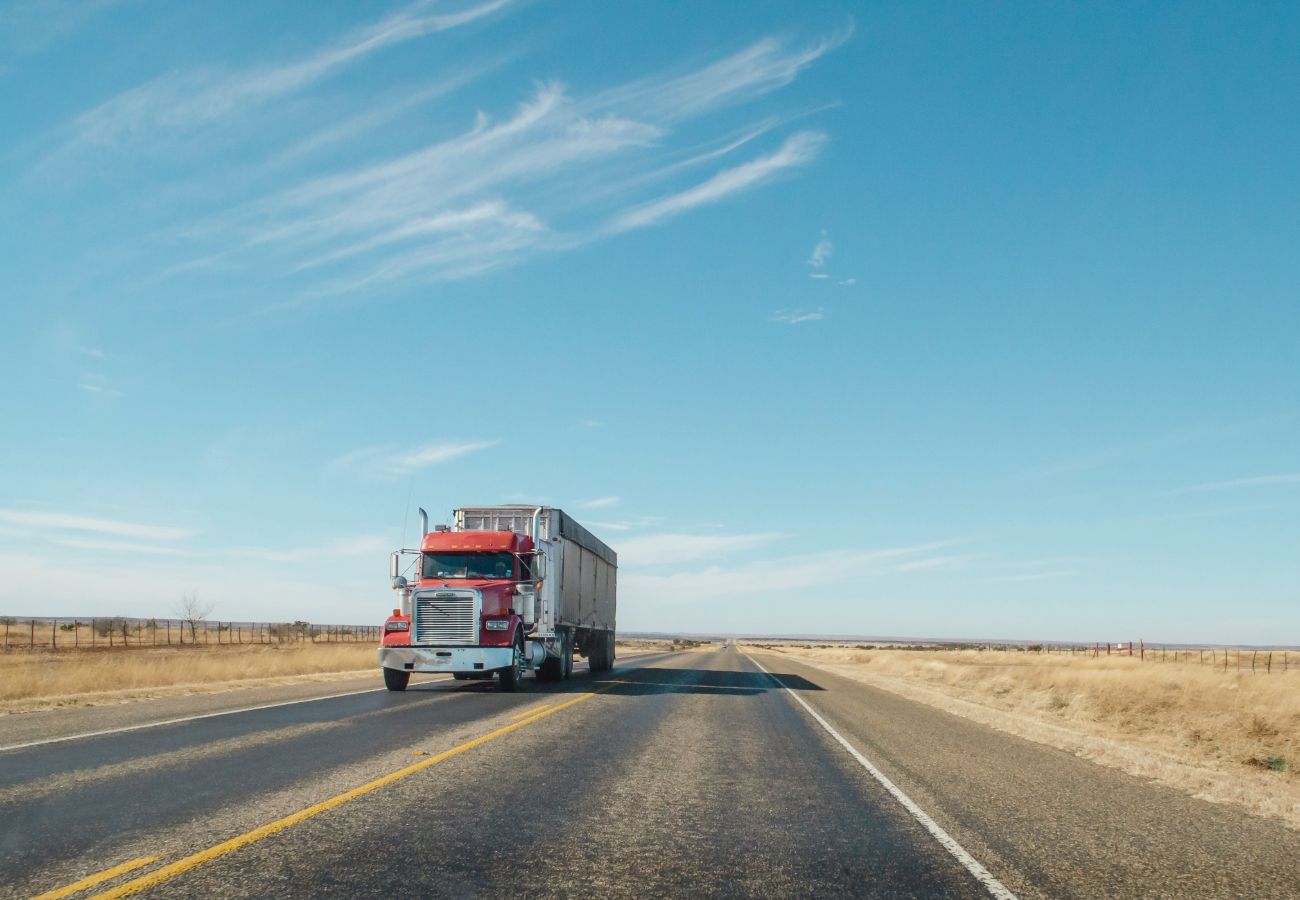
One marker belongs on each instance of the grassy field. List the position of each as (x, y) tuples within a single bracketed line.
[(41, 678), (1223, 736), (37, 679)]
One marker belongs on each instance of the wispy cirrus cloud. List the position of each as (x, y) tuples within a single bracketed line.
[(599, 502), (758, 69), (62, 522), (561, 170), (1290, 479), (1148, 446), (117, 547), (797, 316), (821, 252), (98, 385), (754, 577), (798, 150), (391, 461), (938, 562), (186, 100)]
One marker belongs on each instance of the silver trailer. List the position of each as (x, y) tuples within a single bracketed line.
[(576, 597)]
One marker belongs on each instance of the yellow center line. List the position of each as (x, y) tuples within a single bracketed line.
[(168, 872), (529, 712), (91, 880)]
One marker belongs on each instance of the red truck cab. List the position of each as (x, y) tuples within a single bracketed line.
[(464, 614)]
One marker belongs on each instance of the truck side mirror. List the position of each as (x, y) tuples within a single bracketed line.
[(392, 565), (539, 567), (399, 583)]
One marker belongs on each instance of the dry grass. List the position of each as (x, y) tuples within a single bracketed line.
[(647, 645), (37, 679), (1223, 736)]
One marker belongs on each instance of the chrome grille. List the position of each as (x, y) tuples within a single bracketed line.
[(446, 618)]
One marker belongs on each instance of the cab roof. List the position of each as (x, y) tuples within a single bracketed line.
[(476, 541)]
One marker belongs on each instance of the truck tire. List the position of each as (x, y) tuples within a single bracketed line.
[(566, 656), (602, 654), (396, 679), (512, 674)]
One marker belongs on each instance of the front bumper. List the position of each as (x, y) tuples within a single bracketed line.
[(445, 659)]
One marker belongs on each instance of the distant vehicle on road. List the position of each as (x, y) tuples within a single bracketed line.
[(503, 590)]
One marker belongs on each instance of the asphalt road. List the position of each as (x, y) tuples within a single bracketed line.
[(684, 774)]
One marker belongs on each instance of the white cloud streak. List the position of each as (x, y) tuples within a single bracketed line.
[(1257, 481), (560, 171), (117, 547), (797, 316), (764, 66), (799, 150), (67, 522), (392, 461), (821, 253), (98, 385), (764, 576), (936, 562), (599, 502), (176, 102)]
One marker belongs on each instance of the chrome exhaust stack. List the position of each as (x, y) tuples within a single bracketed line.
[(424, 522)]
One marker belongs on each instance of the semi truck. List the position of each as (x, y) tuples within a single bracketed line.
[(501, 591)]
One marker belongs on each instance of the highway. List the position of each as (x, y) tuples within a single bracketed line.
[(678, 774)]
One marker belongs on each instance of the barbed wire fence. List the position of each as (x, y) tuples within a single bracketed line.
[(122, 632)]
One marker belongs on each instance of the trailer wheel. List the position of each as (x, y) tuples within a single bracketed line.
[(396, 679), (511, 674), (602, 654), (566, 655)]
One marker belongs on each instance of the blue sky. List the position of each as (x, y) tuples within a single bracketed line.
[(893, 319)]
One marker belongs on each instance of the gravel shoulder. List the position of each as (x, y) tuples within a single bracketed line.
[(1044, 821)]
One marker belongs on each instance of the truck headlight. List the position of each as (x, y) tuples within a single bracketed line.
[(496, 624), (397, 626)]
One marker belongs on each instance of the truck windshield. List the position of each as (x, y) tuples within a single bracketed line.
[(468, 565)]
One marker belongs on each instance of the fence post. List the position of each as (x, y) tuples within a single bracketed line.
[(1253, 654), (31, 641), (1269, 665)]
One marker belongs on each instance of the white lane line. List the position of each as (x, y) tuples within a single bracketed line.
[(228, 712), (995, 887), (177, 721)]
